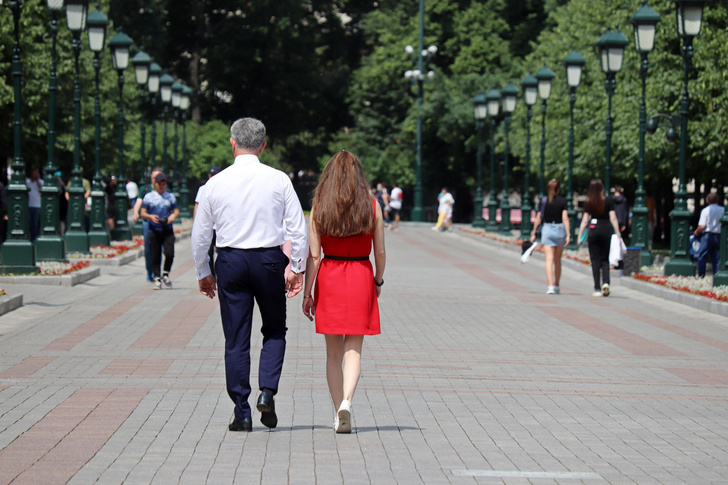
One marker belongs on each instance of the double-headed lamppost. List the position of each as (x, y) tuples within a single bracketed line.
[(574, 63), (17, 251), (418, 77), (165, 90), (644, 21), (184, 192), (544, 76), (530, 94), (611, 52), (176, 98), (689, 15), (509, 96), (493, 99), (141, 62), (76, 235), (98, 233), (50, 246), (480, 109), (119, 45)]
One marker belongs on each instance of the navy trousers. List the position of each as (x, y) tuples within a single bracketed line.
[(245, 276)]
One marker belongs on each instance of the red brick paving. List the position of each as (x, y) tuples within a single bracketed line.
[(26, 368), (179, 325), (137, 367)]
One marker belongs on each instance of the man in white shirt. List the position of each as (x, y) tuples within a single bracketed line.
[(395, 204), (34, 184), (253, 210), (709, 224)]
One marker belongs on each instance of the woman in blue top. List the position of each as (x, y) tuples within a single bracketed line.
[(160, 209)]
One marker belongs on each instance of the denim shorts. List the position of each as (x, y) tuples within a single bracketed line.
[(553, 234)]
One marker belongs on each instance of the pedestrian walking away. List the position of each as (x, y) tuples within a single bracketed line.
[(34, 184), (345, 223), (160, 209), (708, 231), (395, 204), (253, 210), (601, 218), (554, 234)]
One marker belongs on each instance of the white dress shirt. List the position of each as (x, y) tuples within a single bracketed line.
[(250, 205)]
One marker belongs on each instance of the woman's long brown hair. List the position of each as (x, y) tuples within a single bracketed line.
[(342, 204), (552, 188), (594, 203)]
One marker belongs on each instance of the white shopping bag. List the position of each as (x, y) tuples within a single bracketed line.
[(525, 257), (617, 250)]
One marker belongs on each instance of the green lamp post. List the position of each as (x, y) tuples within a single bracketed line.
[(141, 62), (76, 235), (480, 109), (574, 63), (493, 99), (119, 46), (689, 14), (153, 85), (50, 246), (165, 92), (176, 97), (417, 77), (611, 53), (545, 76), (529, 85), (184, 192), (18, 252), (644, 22), (98, 233), (509, 96)]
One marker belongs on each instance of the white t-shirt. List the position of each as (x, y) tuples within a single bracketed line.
[(395, 198), (710, 218), (446, 202), (34, 194)]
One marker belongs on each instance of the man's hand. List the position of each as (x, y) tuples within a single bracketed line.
[(154, 218), (294, 284), (207, 286)]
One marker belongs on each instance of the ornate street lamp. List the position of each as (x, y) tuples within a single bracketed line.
[(492, 98), (480, 110), (141, 62), (18, 249), (76, 235), (119, 45), (155, 73), (184, 192), (644, 22), (545, 76), (417, 76), (689, 15), (50, 246), (176, 98), (509, 99), (98, 234), (165, 90), (530, 95), (574, 64), (611, 52)]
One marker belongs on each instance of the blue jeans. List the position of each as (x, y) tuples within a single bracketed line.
[(709, 245), (34, 222), (147, 251)]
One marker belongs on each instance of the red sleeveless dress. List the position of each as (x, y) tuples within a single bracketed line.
[(345, 295)]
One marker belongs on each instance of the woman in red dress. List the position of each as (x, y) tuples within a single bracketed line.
[(345, 222)]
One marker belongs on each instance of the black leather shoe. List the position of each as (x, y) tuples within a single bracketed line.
[(245, 424), (267, 408)]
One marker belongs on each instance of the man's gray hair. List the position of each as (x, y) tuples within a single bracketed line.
[(248, 133)]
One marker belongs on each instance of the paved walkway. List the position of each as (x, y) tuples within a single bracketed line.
[(478, 377)]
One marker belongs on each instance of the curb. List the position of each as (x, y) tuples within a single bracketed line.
[(71, 279), (695, 301), (10, 303)]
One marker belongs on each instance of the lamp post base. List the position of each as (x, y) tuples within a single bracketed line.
[(573, 243), (138, 228), (50, 248), (98, 238), (640, 232), (505, 227), (680, 267), (418, 215), (646, 258), (121, 234), (526, 222), (21, 253), (478, 221), (77, 241), (680, 264), (492, 224)]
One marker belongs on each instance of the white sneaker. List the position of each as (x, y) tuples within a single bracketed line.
[(157, 284), (605, 289), (557, 290), (167, 282), (344, 417), (336, 423), (551, 290), (597, 294)]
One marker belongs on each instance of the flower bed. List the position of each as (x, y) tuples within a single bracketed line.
[(2, 293), (49, 268), (688, 284), (116, 248)]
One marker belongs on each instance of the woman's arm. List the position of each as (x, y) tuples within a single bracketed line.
[(565, 221), (380, 257), (312, 264), (615, 223), (536, 223), (584, 222)]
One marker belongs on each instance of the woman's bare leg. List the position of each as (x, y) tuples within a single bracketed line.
[(558, 251), (352, 364), (334, 374), (548, 252)]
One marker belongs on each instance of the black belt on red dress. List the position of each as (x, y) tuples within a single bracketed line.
[(347, 258)]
